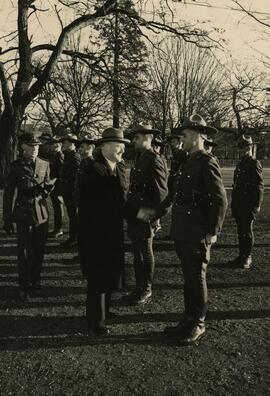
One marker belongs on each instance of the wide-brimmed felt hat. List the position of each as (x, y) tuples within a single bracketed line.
[(70, 137), (29, 138), (158, 141), (113, 135), (197, 123), (144, 130), (209, 142), (45, 138), (244, 141), (86, 139)]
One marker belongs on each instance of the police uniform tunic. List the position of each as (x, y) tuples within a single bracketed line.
[(68, 179), (148, 188), (247, 197), (30, 214), (199, 205)]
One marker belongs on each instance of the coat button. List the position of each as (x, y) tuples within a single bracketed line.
[(188, 212), (188, 176)]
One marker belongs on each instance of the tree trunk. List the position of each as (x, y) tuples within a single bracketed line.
[(116, 102), (9, 127)]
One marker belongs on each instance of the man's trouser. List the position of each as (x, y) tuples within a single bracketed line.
[(31, 248), (72, 215), (244, 224), (97, 307), (194, 259), (58, 210), (144, 264)]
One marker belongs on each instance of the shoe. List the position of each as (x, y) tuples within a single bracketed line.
[(194, 335), (23, 296), (235, 261), (246, 262), (181, 328), (129, 298), (143, 297), (99, 331), (56, 234)]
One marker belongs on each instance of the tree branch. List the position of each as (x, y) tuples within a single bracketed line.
[(5, 90)]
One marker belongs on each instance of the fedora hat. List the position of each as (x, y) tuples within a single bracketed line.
[(29, 138), (70, 137), (244, 141), (209, 142), (145, 130), (197, 123), (113, 135)]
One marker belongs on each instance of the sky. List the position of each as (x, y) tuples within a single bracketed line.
[(244, 38)]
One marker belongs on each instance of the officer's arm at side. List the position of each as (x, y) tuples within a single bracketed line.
[(214, 186), (257, 185)]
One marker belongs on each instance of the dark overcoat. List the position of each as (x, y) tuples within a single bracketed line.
[(101, 214)]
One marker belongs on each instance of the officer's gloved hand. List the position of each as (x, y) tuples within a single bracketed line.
[(9, 228)]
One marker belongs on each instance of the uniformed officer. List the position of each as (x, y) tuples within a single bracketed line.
[(56, 159), (68, 179), (30, 176), (179, 156), (247, 197), (209, 144), (199, 204), (148, 187)]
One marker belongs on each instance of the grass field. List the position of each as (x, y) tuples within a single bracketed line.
[(45, 349)]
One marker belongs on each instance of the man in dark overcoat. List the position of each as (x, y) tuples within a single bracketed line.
[(30, 177), (102, 193), (247, 197)]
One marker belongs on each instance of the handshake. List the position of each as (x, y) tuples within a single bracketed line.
[(146, 214)]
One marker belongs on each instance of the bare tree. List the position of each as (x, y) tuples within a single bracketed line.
[(25, 85)]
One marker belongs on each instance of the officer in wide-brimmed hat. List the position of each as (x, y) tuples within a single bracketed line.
[(148, 187), (179, 156), (199, 203), (247, 196), (68, 179), (30, 176), (102, 192)]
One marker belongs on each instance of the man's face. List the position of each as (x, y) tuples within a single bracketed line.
[(56, 147), (140, 141), (86, 149), (245, 150), (190, 139), (113, 151), (68, 145), (30, 152)]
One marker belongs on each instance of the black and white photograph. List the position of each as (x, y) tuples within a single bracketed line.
[(134, 197)]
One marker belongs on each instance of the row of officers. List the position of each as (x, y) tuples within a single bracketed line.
[(98, 197)]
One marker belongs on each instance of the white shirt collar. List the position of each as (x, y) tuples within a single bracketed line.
[(112, 165)]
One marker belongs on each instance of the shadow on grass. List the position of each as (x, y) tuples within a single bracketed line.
[(28, 332)]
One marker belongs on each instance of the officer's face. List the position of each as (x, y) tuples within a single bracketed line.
[(140, 141), (86, 149), (244, 151), (68, 145), (113, 151), (190, 139), (30, 152)]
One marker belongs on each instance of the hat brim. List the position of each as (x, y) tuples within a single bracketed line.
[(31, 143), (69, 140), (171, 137), (111, 139), (207, 130)]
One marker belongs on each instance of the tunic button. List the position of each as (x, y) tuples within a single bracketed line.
[(188, 212), (188, 176)]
